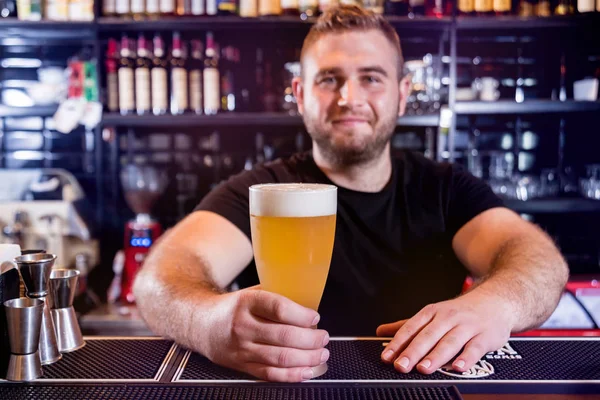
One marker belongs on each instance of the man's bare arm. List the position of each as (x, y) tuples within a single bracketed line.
[(521, 277), (190, 265), (513, 259), (180, 295)]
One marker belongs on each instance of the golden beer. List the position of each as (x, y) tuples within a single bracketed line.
[(293, 230)]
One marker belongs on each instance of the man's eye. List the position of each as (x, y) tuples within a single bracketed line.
[(371, 79), (328, 80)]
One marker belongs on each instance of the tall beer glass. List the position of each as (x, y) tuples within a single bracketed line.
[(293, 229)]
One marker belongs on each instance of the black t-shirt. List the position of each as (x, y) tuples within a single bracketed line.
[(393, 249)]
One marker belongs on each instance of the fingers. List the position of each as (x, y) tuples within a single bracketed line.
[(474, 350), (448, 347), (405, 335), (390, 329), (286, 357), (279, 309), (276, 374), (267, 332)]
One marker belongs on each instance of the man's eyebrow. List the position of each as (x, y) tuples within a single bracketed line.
[(374, 68), (329, 71)]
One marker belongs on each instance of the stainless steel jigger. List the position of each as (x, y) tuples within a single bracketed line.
[(24, 318), (63, 283), (35, 269)]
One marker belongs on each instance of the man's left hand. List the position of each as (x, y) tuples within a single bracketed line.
[(475, 323)]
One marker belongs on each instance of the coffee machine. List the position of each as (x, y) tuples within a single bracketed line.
[(142, 186)]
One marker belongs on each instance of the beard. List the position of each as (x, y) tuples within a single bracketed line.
[(351, 148)]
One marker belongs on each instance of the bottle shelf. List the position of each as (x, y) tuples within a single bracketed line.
[(514, 22), (36, 111), (236, 119), (527, 107), (114, 24), (554, 206)]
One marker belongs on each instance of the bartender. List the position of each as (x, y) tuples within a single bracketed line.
[(409, 231)]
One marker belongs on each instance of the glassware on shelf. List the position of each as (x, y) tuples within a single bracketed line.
[(590, 186), (288, 101), (424, 96)]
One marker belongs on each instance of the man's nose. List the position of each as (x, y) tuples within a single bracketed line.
[(350, 94)]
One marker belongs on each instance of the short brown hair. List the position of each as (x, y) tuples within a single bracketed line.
[(347, 18)]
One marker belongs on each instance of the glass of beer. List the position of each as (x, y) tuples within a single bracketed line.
[(293, 230)]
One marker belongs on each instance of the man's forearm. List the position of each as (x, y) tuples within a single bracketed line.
[(172, 300), (529, 272)]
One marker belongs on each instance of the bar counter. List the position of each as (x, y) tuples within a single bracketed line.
[(151, 367)]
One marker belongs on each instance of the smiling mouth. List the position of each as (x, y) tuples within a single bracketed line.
[(350, 121)]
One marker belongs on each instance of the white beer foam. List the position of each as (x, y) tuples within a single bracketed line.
[(293, 200)]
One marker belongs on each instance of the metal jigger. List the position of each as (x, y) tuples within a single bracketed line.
[(24, 319), (63, 283), (35, 270)]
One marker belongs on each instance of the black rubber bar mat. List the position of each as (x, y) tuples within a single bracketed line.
[(573, 361), (249, 392), (113, 359)]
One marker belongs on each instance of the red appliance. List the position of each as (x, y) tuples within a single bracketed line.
[(142, 186)]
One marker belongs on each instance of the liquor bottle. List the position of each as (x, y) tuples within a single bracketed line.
[(484, 7), (269, 95), (8, 9), (126, 79), (123, 8), (502, 7), (167, 8), (211, 7), (585, 6), (466, 7), (269, 7), (196, 65), (112, 80), (29, 10), (564, 7), (396, 7), (212, 96), (259, 81), (153, 8), (228, 65), (290, 7), (159, 81), (58, 10), (248, 8), (417, 7), (184, 7), (435, 8), (142, 77), (179, 78), (198, 7), (108, 7), (138, 9), (527, 8), (543, 8), (226, 7)]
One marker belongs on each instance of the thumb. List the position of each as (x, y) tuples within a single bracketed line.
[(390, 329)]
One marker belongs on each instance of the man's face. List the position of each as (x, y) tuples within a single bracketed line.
[(350, 96)]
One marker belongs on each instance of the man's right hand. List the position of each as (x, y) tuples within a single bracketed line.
[(265, 335)]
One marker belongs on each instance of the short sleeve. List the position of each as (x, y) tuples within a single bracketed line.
[(230, 198), (469, 196)]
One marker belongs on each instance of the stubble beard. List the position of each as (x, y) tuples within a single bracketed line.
[(351, 156)]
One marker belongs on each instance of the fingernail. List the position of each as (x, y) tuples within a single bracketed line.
[(425, 364), (387, 355), (316, 320), (403, 362), (324, 356), (325, 340), (459, 364), (307, 374)]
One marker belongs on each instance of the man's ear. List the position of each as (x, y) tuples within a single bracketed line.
[(404, 92), (298, 89)]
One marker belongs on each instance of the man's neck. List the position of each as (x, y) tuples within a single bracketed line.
[(370, 176)]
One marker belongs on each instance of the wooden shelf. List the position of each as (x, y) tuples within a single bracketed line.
[(527, 107)]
